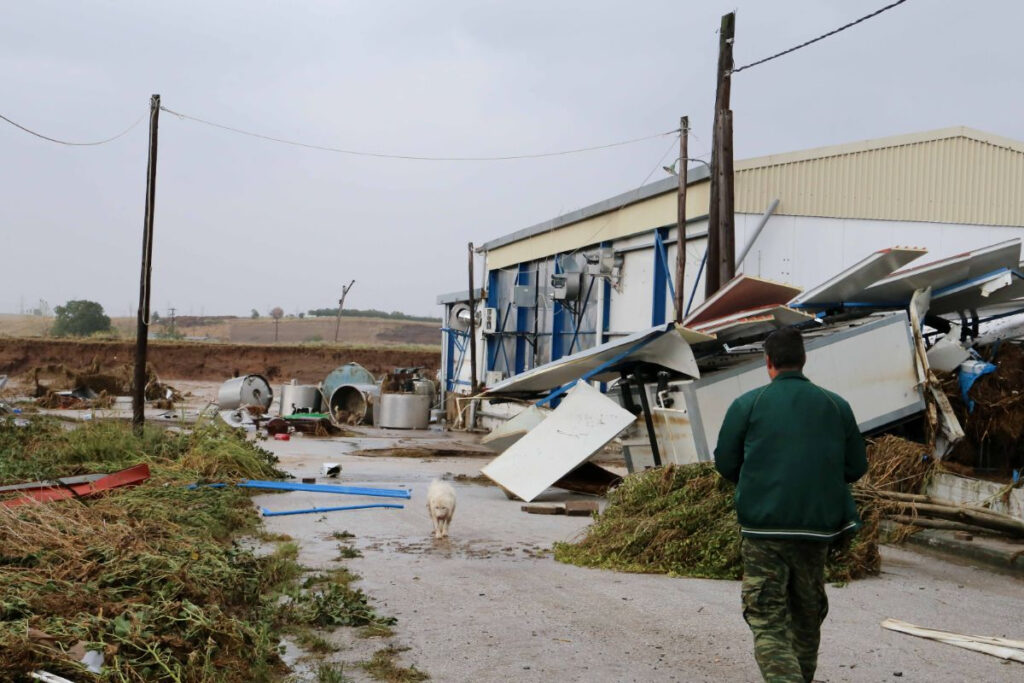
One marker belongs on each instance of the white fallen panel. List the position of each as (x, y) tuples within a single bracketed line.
[(511, 431), (582, 424), (667, 345), (847, 285), (997, 647), (994, 288), (901, 285)]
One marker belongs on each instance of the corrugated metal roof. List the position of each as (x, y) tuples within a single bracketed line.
[(951, 175)]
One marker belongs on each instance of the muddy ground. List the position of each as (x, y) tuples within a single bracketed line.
[(490, 604), (212, 362)]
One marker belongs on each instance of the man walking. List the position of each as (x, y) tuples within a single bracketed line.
[(792, 448)]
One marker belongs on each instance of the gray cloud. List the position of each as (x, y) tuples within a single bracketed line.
[(243, 223)]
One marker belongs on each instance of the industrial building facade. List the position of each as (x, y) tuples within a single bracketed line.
[(607, 270)]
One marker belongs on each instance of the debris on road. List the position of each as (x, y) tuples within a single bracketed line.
[(584, 423), (325, 488), (572, 508), (133, 476), (1005, 648), (308, 511)]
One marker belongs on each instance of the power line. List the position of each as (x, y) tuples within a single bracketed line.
[(821, 37), (410, 157), (73, 144)]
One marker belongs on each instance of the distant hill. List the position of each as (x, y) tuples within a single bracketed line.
[(353, 329)]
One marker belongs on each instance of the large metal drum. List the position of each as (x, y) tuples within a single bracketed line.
[(350, 392), (247, 390), (299, 398), (404, 411)]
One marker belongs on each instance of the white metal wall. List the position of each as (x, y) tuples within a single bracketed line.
[(805, 251)]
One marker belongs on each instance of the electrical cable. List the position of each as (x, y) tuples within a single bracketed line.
[(821, 37), (410, 157), (73, 144), (636, 193)]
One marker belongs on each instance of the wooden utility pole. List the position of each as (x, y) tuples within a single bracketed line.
[(472, 327), (142, 331), (341, 305), (684, 133), (721, 242)]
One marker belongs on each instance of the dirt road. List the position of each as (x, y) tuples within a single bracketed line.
[(491, 605)]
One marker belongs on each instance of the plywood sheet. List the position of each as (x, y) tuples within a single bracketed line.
[(757, 321), (582, 424), (848, 285), (742, 293)]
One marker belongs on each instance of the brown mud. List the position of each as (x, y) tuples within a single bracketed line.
[(212, 362)]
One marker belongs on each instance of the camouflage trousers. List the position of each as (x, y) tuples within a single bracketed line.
[(784, 604)]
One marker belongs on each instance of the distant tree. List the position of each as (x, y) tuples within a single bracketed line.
[(155, 318), (276, 313), (255, 314), (80, 318), (301, 315)]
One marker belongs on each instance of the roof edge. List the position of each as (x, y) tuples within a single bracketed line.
[(693, 176), (877, 144)]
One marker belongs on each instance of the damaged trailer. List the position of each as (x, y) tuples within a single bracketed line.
[(870, 362)]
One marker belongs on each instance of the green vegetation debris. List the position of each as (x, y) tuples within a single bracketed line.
[(383, 667), (152, 576), (680, 520)]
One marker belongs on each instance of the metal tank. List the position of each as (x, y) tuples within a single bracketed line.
[(404, 411), (247, 390), (299, 398), (350, 393)]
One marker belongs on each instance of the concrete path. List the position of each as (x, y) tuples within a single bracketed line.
[(491, 605)]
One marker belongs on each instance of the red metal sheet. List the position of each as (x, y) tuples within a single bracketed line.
[(743, 292), (129, 477)]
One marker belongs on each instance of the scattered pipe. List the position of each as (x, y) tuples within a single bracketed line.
[(325, 488), (279, 513)]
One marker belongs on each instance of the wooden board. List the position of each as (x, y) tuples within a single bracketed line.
[(742, 293)]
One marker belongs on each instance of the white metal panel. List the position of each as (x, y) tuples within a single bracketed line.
[(871, 366), (631, 299), (584, 422), (846, 286), (507, 433), (900, 286), (667, 345)]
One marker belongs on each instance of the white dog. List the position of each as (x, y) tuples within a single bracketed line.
[(441, 506)]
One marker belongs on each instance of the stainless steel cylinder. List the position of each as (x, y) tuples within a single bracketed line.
[(247, 390), (404, 411)]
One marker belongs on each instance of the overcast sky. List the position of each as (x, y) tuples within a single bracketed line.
[(243, 223)]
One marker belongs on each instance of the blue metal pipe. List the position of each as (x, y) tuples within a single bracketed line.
[(280, 513), (325, 488)]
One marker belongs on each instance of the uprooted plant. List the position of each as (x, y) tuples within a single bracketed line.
[(150, 577)]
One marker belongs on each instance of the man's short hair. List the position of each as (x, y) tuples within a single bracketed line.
[(785, 348)]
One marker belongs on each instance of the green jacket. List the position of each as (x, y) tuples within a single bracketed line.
[(792, 448)]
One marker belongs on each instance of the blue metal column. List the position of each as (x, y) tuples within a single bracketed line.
[(492, 302), (661, 278), (522, 319), (557, 320), (449, 370)]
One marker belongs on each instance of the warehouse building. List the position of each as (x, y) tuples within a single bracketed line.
[(607, 270)]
